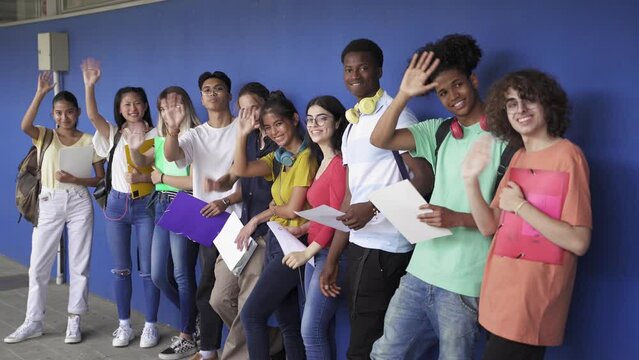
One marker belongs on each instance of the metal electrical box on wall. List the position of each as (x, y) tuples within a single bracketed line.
[(53, 51)]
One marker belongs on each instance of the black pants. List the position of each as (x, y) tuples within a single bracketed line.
[(498, 348), (373, 277), (210, 321)]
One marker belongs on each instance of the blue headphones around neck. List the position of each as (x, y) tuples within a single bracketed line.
[(287, 158)]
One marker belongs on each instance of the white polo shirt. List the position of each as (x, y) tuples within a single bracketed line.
[(371, 168)]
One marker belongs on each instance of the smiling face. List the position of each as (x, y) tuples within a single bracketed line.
[(280, 129), (65, 114), (457, 92), (320, 124), (132, 107), (215, 95), (361, 74), (525, 116)]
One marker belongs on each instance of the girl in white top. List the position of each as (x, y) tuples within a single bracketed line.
[(63, 200), (126, 209)]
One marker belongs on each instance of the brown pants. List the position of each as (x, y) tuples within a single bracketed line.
[(228, 298)]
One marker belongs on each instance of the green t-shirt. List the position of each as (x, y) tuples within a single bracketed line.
[(455, 262), (166, 167)]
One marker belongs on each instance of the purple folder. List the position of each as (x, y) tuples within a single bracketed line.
[(183, 217)]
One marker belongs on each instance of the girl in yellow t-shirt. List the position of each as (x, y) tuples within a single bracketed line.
[(293, 168), (63, 201)]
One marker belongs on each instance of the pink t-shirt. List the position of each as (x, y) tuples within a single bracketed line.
[(528, 301), (329, 190)]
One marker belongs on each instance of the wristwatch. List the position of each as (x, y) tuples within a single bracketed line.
[(226, 202)]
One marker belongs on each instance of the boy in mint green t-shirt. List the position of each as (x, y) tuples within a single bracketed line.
[(437, 300)]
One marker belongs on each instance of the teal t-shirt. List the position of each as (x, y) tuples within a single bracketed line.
[(166, 167), (455, 262)]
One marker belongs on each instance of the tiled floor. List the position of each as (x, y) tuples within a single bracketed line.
[(97, 325)]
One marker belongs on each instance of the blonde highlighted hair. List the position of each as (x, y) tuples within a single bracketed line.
[(191, 119)]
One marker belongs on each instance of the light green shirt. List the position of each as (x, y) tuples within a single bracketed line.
[(166, 167), (455, 262)]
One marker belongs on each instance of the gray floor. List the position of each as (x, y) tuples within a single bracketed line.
[(97, 325)]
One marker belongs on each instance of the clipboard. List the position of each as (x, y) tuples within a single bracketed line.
[(515, 238), (139, 189)]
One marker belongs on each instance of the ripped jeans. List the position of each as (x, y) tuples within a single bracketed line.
[(124, 215)]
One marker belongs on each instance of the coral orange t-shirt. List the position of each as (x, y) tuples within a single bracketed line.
[(528, 301)]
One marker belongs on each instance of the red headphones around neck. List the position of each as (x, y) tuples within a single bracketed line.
[(458, 131)]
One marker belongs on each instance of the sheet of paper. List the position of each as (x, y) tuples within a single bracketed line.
[(183, 217), (324, 215), (400, 203), (77, 161), (288, 242), (225, 241)]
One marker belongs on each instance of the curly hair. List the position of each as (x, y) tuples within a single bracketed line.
[(532, 85), (455, 52)]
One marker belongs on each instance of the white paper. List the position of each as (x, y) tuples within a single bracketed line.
[(400, 203), (325, 215), (288, 242), (77, 161), (225, 241)]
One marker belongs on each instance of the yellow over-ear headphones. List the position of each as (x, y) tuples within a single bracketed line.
[(365, 106)]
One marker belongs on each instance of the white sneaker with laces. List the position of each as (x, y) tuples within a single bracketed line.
[(179, 348), (122, 336), (74, 334), (149, 337), (29, 329)]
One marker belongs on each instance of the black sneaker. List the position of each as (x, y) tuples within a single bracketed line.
[(179, 348)]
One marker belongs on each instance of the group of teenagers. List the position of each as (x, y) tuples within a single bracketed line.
[(266, 163)]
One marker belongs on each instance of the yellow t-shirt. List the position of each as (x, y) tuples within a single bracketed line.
[(301, 174), (51, 159)]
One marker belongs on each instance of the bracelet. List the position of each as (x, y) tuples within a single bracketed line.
[(162, 179), (274, 213), (226, 202), (375, 210), (519, 207), (174, 133)]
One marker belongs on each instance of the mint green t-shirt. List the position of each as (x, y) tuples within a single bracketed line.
[(455, 262), (166, 167)]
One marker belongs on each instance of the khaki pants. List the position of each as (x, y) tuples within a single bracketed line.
[(228, 298)]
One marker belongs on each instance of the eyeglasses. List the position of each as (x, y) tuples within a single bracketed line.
[(215, 90), (319, 120), (513, 105)]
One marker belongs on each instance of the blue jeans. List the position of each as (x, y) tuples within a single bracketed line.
[(420, 315), (275, 292), (123, 215), (318, 320), (177, 282)]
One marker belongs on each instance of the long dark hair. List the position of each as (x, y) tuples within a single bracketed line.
[(335, 107), (119, 119), (68, 97)]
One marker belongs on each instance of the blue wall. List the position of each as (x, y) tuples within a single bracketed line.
[(588, 45)]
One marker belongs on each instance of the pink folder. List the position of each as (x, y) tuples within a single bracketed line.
[(515, 238)]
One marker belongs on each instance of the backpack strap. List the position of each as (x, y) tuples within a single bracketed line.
[(116, 139), (398, 158), (48, 139), (442, 131), (504, 161)]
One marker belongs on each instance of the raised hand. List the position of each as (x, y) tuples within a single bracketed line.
[(90, 71), (416, 75), (249, 120), (134, 134), (45, 82), (172, 111), (478, 156)]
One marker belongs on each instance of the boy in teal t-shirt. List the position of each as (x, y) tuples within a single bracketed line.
[(437, 300)]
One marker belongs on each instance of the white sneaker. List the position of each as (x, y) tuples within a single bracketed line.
[(122, 336), (180, 348), (74, 334), (29, 329), (149, 337)]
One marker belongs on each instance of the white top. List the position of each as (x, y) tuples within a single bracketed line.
[(371, 168), (210, 153), (118, 167)]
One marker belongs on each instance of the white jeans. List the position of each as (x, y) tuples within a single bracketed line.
[(57, 208)]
